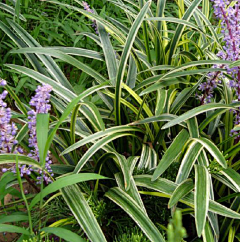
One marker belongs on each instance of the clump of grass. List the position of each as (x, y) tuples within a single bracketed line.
[(132, 235)]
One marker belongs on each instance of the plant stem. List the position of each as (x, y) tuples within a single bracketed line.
[(41, 204), (23, 196)]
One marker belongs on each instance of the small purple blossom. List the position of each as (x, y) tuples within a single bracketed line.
[(208, 86), (3, 82)]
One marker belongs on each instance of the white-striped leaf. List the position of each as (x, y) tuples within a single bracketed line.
[(135, 212), (171, 154), (82, 212), (201, 197)]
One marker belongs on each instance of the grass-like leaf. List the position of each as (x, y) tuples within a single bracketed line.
[(22, 159), (13, 229), (168, 187), (201, 197), (135, 212), (213, 150), (82, 212), (42, 135), (11, 10), (183, 189), (124, 57), (171, 154), (65, 234), (196, 111), (53, 69)]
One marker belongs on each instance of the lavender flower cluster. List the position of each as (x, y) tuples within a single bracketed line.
[(88, 9), (7, 130), (229, 17), (40, 102)]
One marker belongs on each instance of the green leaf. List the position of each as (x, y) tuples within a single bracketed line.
[(63, 182), (53, 69), (162, 79), (193, 127), (22, 159), (31, 57), (160, 84), (108, 26), (232, 176), (184, 96), (132, 191), (161, 101), (196, 111), (82, 212), (94, 148), (57, 87), (78, 52), (92, 113), (131, 207), (17, 100), (110, 56), (69, 109), (22, 133), (183, 189), (234, 64), (159, 118), (175, 20), (65, 234), (160, 12), (213, 150), (171, 154), (168, 187), (64, 57), (207, 233), (201, 198), (132, 73), (141, 103), (227, 222), (11, 10), (148, 159), (100, 134), (124, 57), (13, 218), (13, 229), (178, 33), (42, 135), (188, 161)]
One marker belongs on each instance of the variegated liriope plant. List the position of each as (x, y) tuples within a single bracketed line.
[(149, 117)]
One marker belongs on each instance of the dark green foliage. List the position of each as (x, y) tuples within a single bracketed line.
[(132, 235)]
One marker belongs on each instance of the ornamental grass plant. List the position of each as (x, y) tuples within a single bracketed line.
[(123, 119)]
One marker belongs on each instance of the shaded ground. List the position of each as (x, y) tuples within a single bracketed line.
[(9, 237)]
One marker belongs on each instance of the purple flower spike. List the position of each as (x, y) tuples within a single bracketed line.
[(229, 17), (8, 131), (87, 8), (41, 104)]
